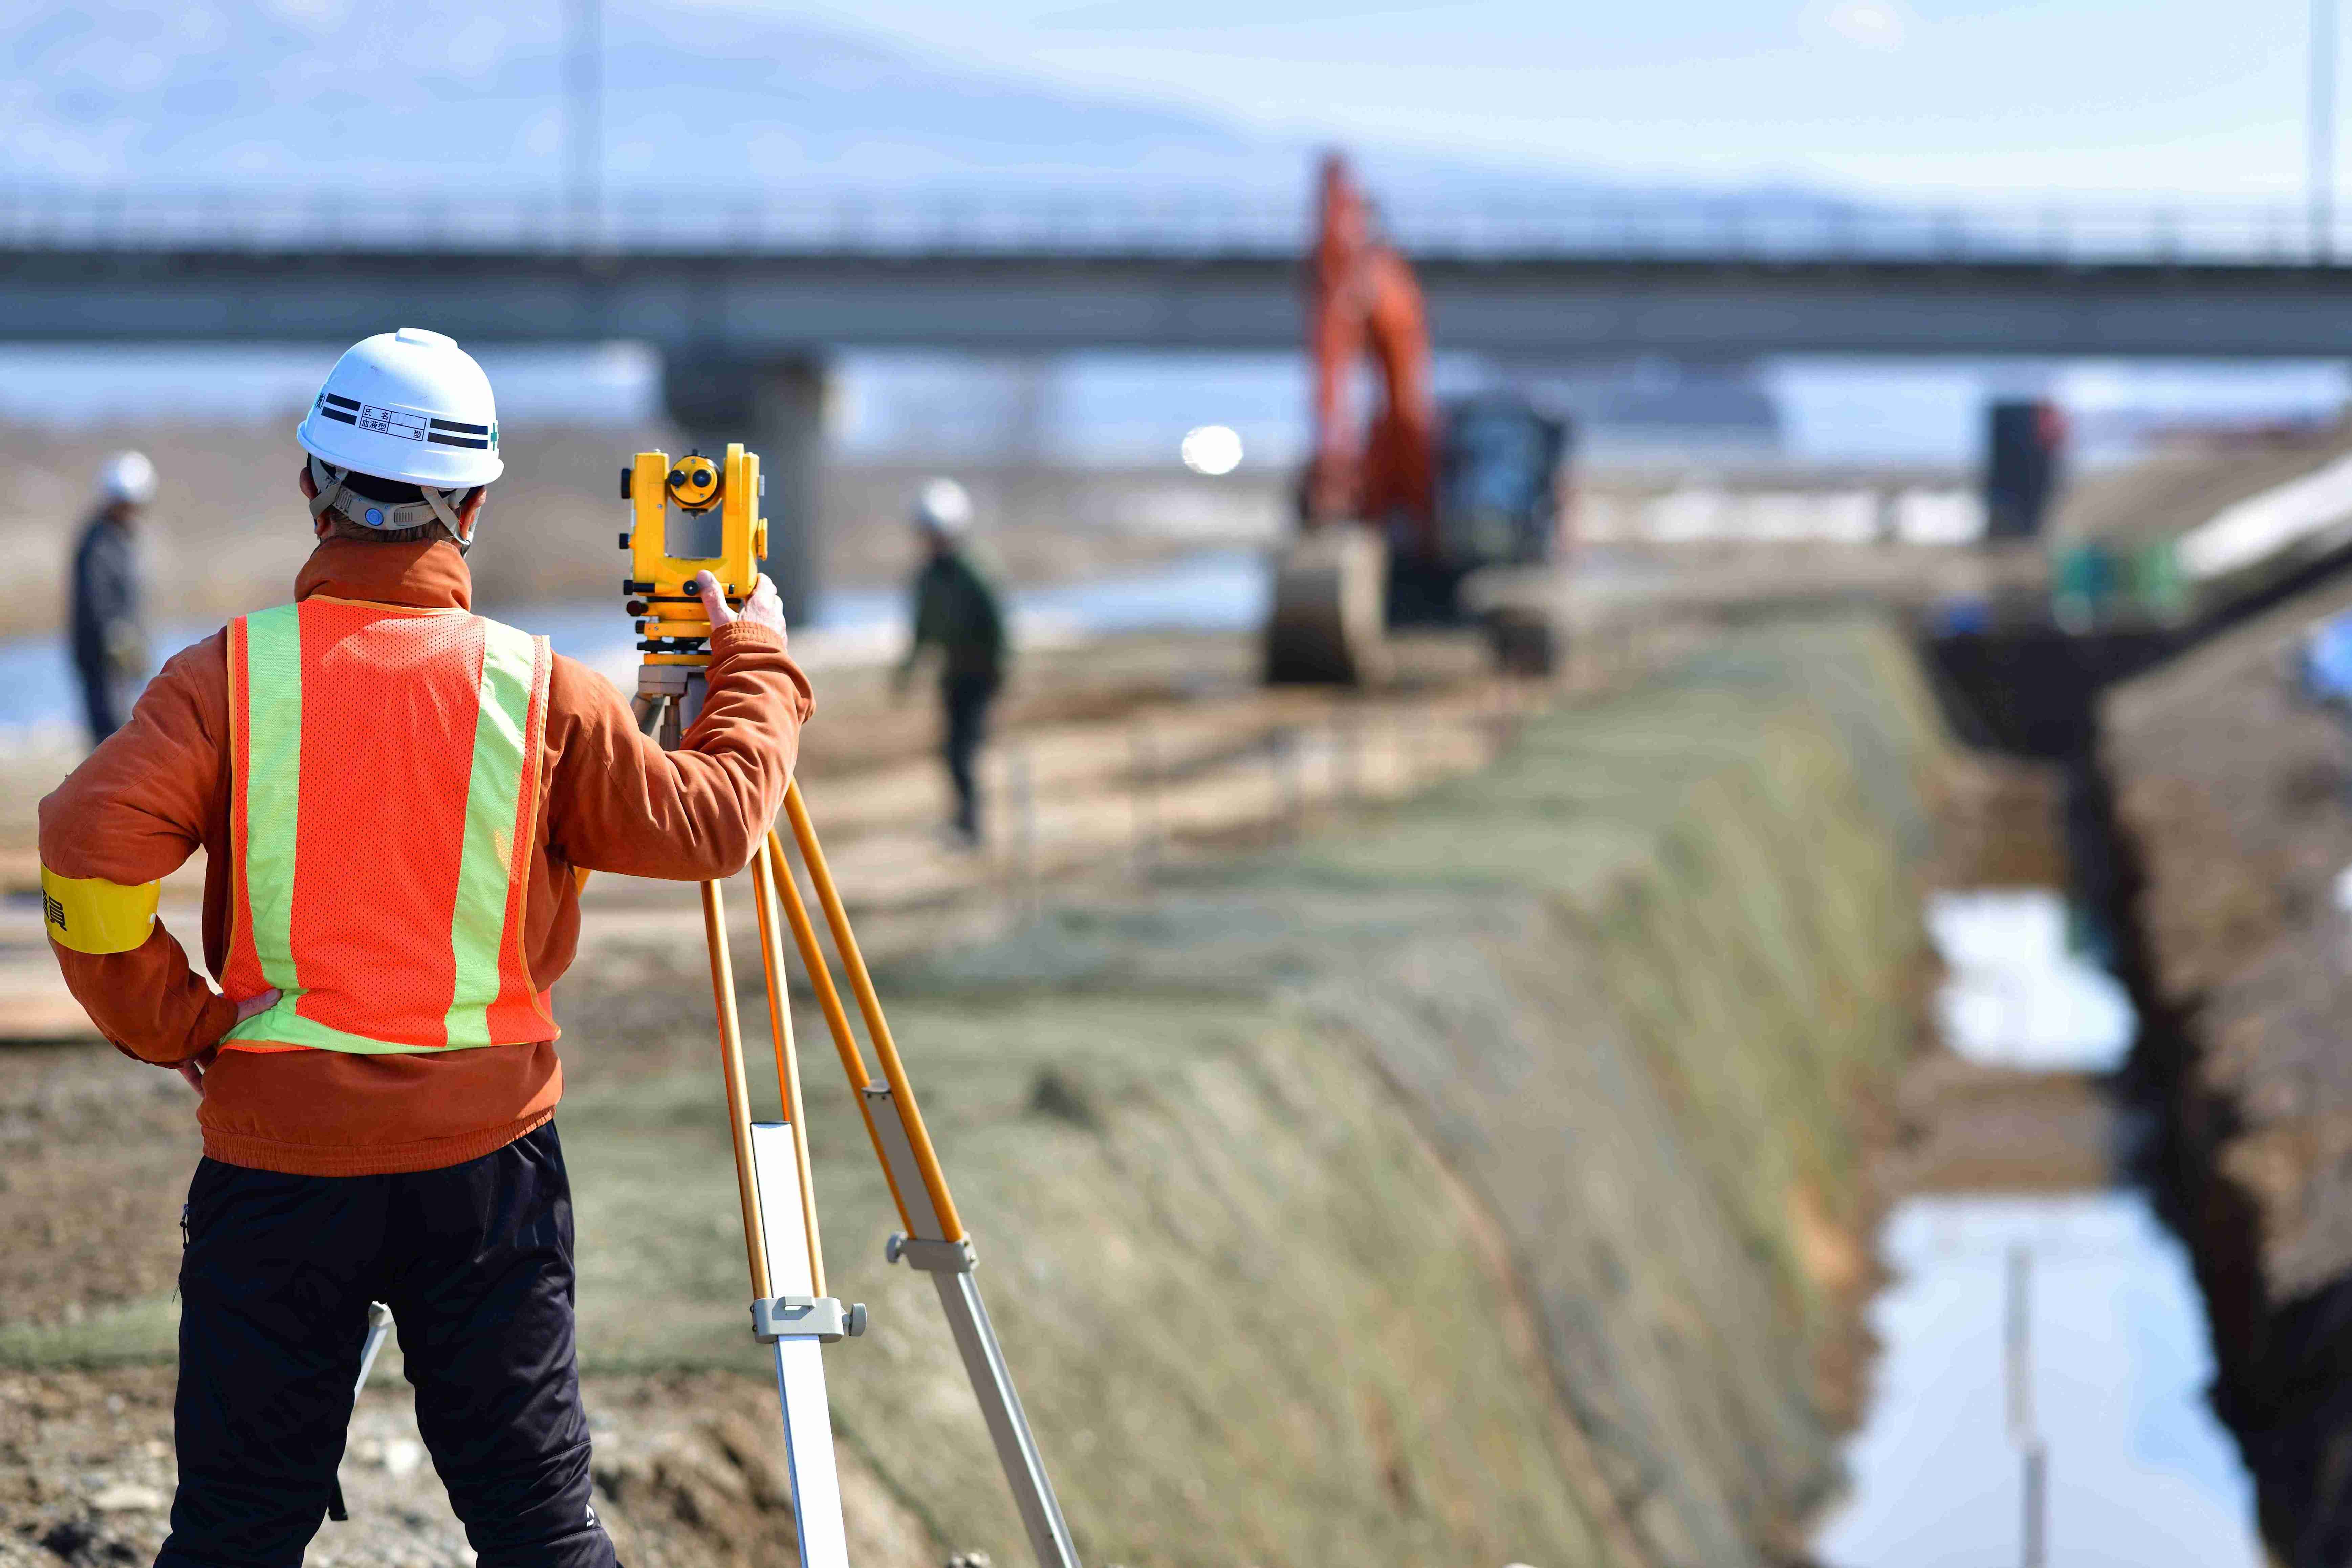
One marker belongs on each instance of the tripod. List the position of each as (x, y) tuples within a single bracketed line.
[(791, 1311)]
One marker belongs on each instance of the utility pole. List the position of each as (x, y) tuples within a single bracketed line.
[(584, 116), (2320, 133)]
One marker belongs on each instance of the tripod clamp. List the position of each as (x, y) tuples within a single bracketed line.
[(822, 1318), (930, 1257)]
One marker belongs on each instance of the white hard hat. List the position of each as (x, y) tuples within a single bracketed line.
[(944, 508), (409, 405), (128, 477)]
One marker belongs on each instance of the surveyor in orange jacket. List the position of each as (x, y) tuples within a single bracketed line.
[(392, 794)]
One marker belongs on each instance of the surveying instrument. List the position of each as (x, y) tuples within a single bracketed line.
[(718, 528)]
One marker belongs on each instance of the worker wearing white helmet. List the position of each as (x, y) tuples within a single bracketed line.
[(396, 797), (956, 610), (128, 479), (108, 633), (944, 508), (404, 436)]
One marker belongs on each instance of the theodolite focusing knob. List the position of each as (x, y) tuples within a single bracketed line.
[(637, 606)]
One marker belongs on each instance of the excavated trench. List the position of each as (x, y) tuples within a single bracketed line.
[(2171, 752)]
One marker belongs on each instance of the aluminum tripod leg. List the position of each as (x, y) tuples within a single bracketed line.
[(800, 1361), (785, 1313), (950, 1265), (936, 1241)]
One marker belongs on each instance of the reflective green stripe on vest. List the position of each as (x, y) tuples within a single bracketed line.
[(485, 877), (273, 745), (273, 792)]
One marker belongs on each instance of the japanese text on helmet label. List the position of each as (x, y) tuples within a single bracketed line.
[(391, 422)]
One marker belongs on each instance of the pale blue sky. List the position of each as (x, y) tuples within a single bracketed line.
[(2141, 99)]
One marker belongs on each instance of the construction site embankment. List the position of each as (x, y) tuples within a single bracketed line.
[(2232, 802), (1478, 1178)]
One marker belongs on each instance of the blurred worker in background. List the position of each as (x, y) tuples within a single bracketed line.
[(109, 636), (956, 611), (378, 1069)]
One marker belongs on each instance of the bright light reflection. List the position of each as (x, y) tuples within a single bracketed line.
[(1211, 449)]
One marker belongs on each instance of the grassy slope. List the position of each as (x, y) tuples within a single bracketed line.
[(1445, 1190), (1242, 1157)]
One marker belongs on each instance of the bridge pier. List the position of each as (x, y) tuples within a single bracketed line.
[(776, 407)]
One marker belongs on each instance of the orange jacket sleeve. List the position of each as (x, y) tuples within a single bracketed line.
[(617, 801), (133, 813)]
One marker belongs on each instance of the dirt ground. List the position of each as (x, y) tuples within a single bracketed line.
[(689, 1474), (95, 1152), (2231, 795)]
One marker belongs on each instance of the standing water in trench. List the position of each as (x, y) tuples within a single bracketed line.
[(2038, 1315)]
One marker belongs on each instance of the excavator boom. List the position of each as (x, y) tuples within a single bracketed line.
[(1362, 299)]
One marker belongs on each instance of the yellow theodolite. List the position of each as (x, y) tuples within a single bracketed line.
[(660, 581), (791, 1311)]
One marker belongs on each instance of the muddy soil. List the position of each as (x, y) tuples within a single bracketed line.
[(689, 1473), (2233, 797)]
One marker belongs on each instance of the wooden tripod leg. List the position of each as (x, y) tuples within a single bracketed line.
[(869, 1004), (739, 1098), (836, 1019)]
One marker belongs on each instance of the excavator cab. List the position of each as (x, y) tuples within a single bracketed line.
[(1497, 483), (1494, 502)]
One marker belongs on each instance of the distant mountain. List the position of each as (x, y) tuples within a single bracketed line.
[(437, 94), (434, 93)]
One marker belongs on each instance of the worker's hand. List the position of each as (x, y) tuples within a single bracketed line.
[(761, 608), (194, 1071)]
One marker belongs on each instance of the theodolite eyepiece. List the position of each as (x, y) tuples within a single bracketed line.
[(695, 483)]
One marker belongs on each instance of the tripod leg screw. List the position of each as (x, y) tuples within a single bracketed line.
[(896, 1247), (856, 1327)]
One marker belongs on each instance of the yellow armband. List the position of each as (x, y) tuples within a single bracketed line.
[(90, 914)]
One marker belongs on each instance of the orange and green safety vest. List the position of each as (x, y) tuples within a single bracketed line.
[(382, 819)]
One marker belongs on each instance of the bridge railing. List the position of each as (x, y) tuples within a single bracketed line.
[(1178, 222)]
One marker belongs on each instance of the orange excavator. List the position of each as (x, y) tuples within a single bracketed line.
[(1397, 512)]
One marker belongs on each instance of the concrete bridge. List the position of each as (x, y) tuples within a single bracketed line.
[(747, 302)]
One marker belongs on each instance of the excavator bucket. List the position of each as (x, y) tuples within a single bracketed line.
[(1327, 625)]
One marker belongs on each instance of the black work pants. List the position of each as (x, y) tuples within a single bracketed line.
[(475, 1262), (965, 699)]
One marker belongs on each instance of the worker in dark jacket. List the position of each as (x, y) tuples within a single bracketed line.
[(109, 638), (956, 611)]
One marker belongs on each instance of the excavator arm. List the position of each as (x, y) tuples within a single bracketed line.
[(1362, 300)]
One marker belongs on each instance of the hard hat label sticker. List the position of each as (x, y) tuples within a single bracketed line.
[(391, 422)]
